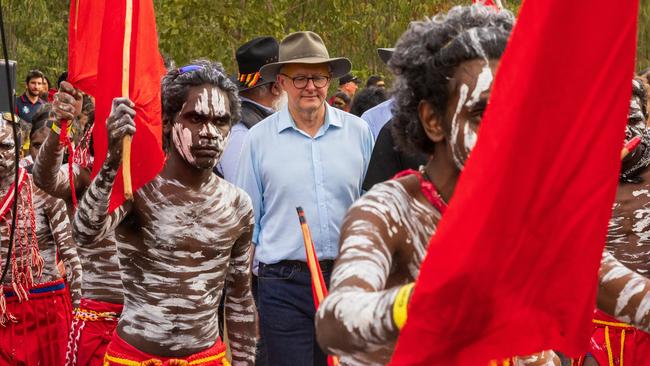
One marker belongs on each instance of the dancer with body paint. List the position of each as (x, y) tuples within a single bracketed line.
[(101, 305), (628, 297), (35, 304), (444, 68), (185, 234)]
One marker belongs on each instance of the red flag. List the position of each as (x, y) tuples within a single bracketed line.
[(145, 72), (512, 269), (84, 33)]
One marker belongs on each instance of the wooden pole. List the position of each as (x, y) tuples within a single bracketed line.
[(126, 61)]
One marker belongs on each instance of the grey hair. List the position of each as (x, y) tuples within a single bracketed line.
[(175, 87), (426, 56)]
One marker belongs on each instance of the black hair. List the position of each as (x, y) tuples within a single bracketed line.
[(33, 74), (63, 77), (425, 59), (373, 80), (366, 99), (176, 85), (40, 118), (343, 96)]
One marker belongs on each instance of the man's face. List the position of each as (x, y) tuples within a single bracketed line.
[(202, 127), (381, 84), (349, 88), (35, 86), (7, 150), (339, 103), (310, 98), (636, 127), (36, 140), (470, 86)]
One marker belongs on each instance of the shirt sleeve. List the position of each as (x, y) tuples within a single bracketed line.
[(247, 177), (230, 159)]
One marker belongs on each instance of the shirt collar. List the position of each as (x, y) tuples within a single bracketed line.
[(244, 99), (331, 119)]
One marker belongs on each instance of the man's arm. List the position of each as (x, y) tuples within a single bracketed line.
[(623, 293), (57, 216), (356, 318), (240, 315), (47, 171), (92, 221)]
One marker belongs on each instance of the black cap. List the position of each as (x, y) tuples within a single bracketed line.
[(251, 56), (348, 78), (385, 54)]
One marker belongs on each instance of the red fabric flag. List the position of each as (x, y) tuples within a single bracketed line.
[(84, 33), (512, 269), (145, 72)]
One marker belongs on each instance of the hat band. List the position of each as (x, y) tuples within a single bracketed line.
[(250, 80)]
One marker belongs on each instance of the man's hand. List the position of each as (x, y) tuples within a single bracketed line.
[(67, 103), (119, 124)]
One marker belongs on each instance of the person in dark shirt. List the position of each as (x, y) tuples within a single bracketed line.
[(387, 160), (30, 101)]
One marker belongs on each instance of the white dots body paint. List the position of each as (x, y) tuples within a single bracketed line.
[(470, 138)]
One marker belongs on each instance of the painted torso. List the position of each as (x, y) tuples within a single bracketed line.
[(384, 240), (628, 237), (53, 232), (174, 249)]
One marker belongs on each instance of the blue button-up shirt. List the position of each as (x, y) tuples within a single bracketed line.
[(282, 167), (378, 116)]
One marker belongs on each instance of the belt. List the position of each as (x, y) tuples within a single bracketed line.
[(39, 289), (325, 265)]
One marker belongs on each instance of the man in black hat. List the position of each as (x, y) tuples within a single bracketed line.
[(259, 97), (349, 84)]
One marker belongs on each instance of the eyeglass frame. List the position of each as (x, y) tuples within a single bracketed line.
[(307, 78)]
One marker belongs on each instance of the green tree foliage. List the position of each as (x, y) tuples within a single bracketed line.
[(188, 29)]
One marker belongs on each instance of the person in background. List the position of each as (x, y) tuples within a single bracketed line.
[(341, 101), (366, 99), (30, 101), (259, 97), (377, 81)]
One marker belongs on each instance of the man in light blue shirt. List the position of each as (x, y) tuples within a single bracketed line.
[(309, 155), (378, 116)]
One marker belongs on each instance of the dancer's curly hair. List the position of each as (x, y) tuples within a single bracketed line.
[(426, 56), (175, 87)]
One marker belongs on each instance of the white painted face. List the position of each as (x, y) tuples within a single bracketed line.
[(201, 130), (473, 83)]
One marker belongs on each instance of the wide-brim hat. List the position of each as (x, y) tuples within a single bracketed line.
[(385, 54), (305, 48), (251, 56)]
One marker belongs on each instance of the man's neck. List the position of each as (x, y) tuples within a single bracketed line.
[(32, 98), (176, 168), (309, 121)]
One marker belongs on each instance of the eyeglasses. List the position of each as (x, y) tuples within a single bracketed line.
[(300, 82)]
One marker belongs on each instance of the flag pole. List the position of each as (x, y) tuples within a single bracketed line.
[(317, 280), (126, 61)]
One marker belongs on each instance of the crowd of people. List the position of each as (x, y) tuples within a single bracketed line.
[(206, 265)]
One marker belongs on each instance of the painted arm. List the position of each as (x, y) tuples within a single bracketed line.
[(545, 358), (49, 175), (92, 221), (240, 315), (355, 320), (623, 293), (62, 232)]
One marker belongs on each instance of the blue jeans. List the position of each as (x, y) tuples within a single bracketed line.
[(286, 309)]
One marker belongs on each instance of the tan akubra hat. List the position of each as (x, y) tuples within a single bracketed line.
[(305, 48)]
